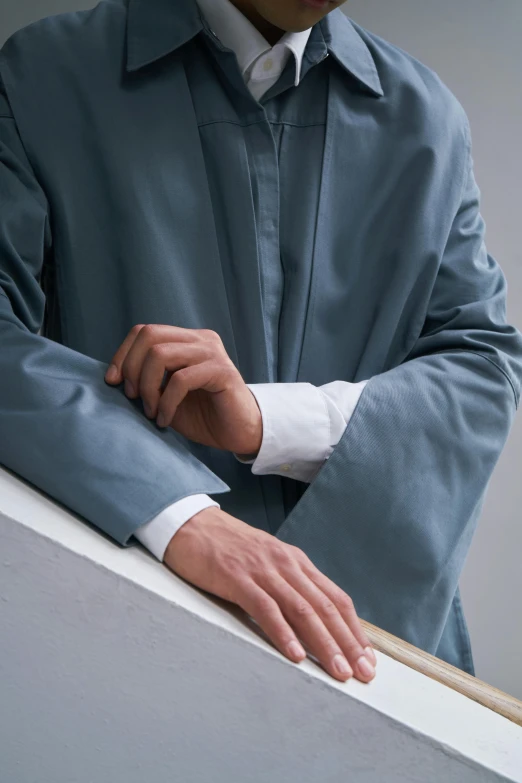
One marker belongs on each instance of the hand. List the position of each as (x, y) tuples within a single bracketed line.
[(277, 585), (204, 397)]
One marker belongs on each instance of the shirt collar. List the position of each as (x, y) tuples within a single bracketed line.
[(156, 28), (236, 32)]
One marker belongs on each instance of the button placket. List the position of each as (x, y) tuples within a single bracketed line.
[(265, 175)]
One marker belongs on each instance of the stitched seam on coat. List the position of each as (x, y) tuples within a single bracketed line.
[(504, 373), (483, 356), (259, 122)]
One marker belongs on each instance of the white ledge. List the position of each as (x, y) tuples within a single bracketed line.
[(113, 669)]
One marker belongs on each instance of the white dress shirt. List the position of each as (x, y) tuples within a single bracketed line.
[(302, 423)]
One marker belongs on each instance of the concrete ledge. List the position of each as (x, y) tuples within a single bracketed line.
[(113, 669)]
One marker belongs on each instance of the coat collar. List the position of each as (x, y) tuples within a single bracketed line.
[(350, 50), (156, 28)]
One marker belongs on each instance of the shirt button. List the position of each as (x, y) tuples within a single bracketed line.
[(286, 467), (267, 65)]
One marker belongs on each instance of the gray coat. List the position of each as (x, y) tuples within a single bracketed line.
[(328, 232)]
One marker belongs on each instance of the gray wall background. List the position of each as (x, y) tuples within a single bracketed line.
[(474, 45)]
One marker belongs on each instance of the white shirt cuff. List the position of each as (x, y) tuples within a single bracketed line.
[(341, 399), (302, 424), (156, 534)]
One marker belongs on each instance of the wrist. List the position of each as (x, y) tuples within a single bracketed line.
[(251, 441), (249, 454), (187, 530)]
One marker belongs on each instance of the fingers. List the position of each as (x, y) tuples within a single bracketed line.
[(266, 578), (171, 357), (150, 338), (140, 338), (310, 627), (339, 631), (267, 614), (287, 614), (150, 350), (197, 376), (114, 374), (345, 606)]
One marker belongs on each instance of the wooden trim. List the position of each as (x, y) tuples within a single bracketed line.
[(443, 672)]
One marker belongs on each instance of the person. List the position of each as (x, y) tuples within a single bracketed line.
[(241, 254)]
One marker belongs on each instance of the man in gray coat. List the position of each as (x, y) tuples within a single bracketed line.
[(241, 254)]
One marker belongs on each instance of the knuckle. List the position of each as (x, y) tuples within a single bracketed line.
[(241, 565), (303, 609), (157, 351), (180, 377), (299, 555), (346, 603), (227, 370), (281, 554), (268, 576), (149, 332), (327, 607), (211, 336)]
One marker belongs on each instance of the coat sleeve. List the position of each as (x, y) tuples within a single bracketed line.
[(390, 515), (62, 428)]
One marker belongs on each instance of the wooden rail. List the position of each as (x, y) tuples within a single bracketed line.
[(443, 672)]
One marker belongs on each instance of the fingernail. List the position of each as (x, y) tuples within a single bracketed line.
[(370, 654), (112, 373), (365, 667), (160, 421), (129, 389), (295, 650), (341, 666)]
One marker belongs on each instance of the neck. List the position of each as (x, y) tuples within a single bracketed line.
[(267, 30)]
